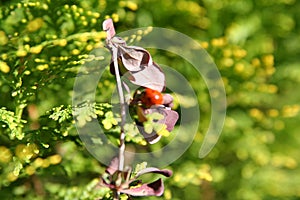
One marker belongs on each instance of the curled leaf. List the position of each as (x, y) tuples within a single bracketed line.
[(136, 65), (164, 172), (108, 26), (151, 138), (136, 61), (155, 188), (134, 58)]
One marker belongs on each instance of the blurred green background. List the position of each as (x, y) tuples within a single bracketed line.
[(255, 44)]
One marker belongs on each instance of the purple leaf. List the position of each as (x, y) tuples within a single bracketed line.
[(137, 66), (170, 119), (155, 188), (164, 172), (108, 26), (168, 100), (133, 57), (137, 61), (113, 166), (150, 76), (103, 183), (151, 138), (170, 116)]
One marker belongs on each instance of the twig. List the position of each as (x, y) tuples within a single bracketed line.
[(123, 120), (116, 195), (122, 111)]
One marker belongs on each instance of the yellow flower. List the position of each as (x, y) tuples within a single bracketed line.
[(35, 24), (42, 67), (55, 159), (132, 5), (36, 49), (129, 4), (21, 52), (4, 67), (218, 42), (75, 52), (60, 42), (5, 154), (11, 177), (45, 164), (164, 132), (30, 170), (26, 152), (3, 38), (38, 162), (115, 17)]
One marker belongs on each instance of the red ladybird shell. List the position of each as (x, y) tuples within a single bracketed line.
[(151, 97)]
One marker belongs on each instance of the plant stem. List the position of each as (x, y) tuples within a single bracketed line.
[(116, 195), (123, 115)]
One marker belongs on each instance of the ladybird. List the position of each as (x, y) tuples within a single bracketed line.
[(151, 97)]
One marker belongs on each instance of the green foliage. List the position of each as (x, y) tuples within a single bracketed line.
[(253, 43), (14, 123)]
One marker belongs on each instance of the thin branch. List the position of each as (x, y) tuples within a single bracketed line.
[(122, 111), (116, 195), (123, 120)]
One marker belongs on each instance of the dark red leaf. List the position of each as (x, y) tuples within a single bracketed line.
[(155, 188), (164, 172), (151, 138)]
